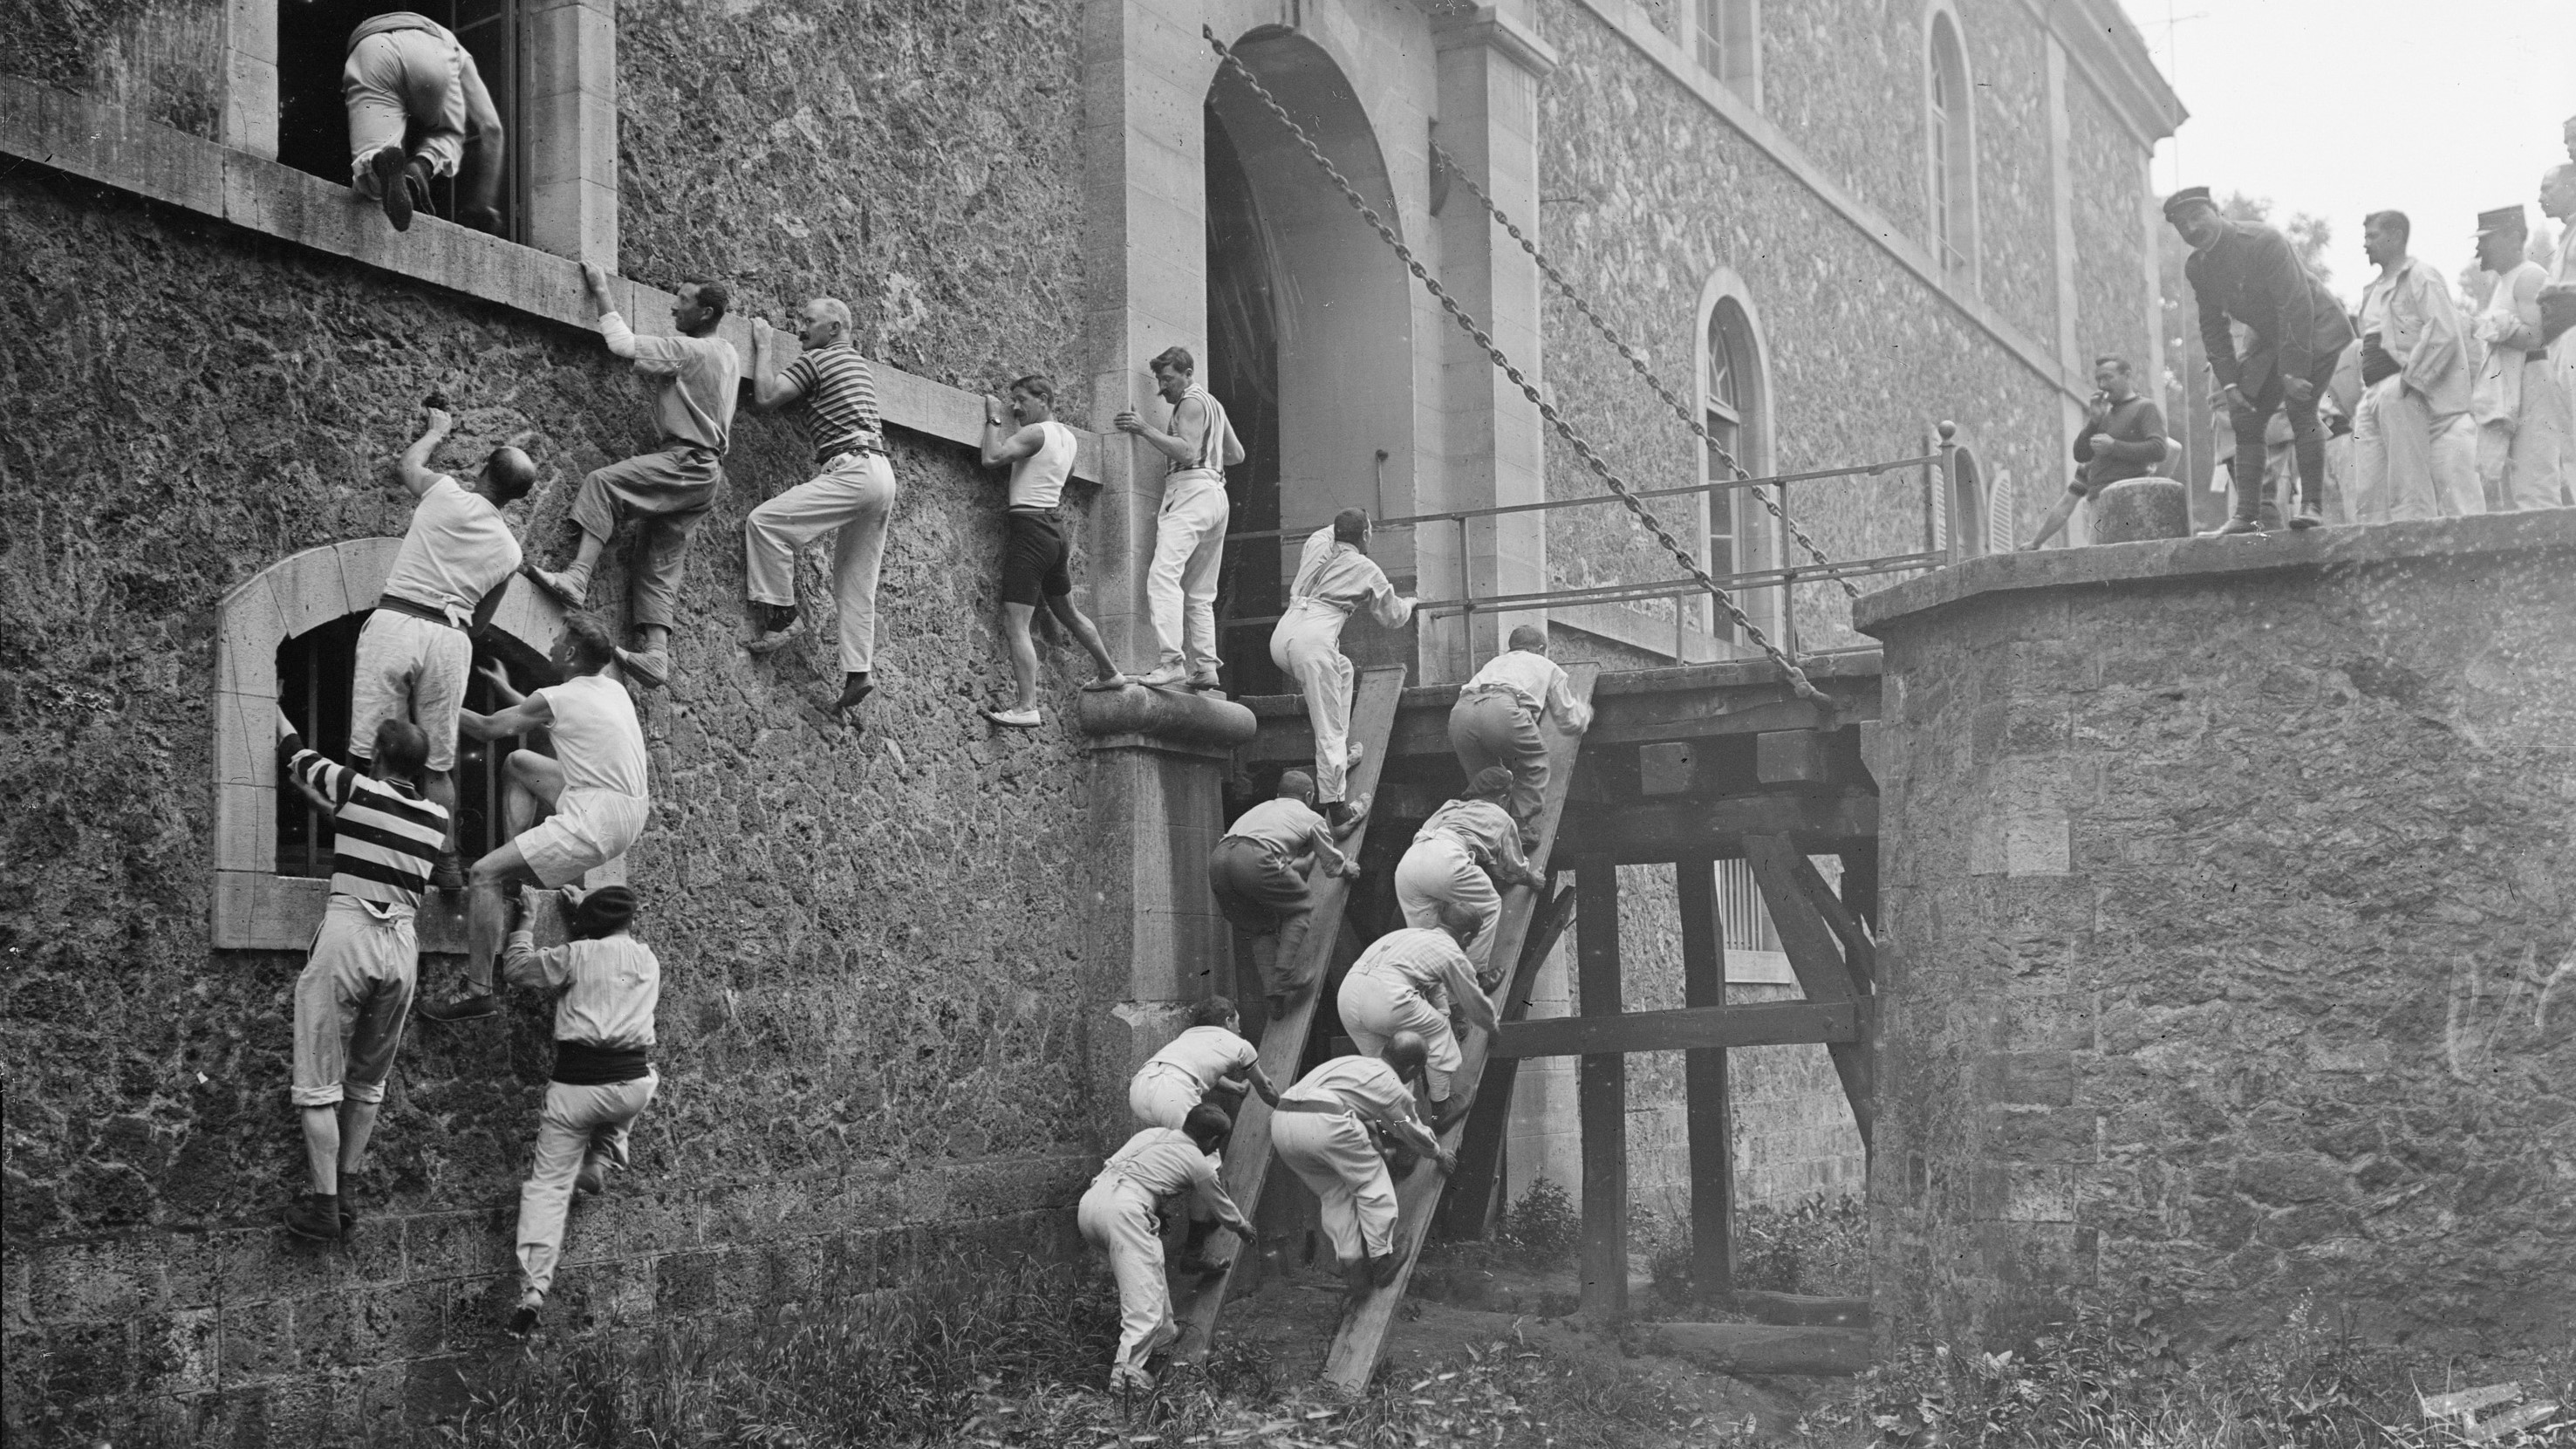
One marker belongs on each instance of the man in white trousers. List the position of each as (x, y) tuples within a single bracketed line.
[(1210, 1062), (2413, 439), (1327, 1132), (1458, 857), (404, 68), (1408, 981), (610, 984), (1121, 1214), (1336, 578), (2521, 414), (1189, 528), (834, 391), (2557, 303)]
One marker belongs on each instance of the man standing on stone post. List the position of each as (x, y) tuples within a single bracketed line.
[(360, 972), (1495, 721), (1189, 528), (2248, 272), (418, 644), (2414, 443), (2123, 437), (594, 786), (835, 394), (1335, 579), (404, 68), (2521, 414), (693, 377), (1258, 875)]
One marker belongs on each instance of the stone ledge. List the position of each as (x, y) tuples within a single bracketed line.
[(104, 143), (2544, 530), (1186, 720)]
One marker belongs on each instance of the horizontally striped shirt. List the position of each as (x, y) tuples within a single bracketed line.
[(386, 837), (838, 401), (1426, 960)]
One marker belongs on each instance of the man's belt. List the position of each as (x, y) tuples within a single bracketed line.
[(868, 444), (1320, 1109), (1507, 691), (396, 603), (2377, 366), (1048, 515)]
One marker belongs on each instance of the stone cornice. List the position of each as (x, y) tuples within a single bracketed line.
[(104, 143), (1491, 26), (2108, 51)]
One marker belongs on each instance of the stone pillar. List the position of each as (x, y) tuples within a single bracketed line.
[(2225, 886), (250, 77), (1491, 64), (568, 133)]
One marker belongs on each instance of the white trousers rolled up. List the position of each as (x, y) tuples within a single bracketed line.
[(577, 1123), (1308, 644), (856, 496), (1334, 1156), (1438, 872), (1118, 1218)]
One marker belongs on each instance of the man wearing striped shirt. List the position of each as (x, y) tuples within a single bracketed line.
[(1036, 562), (694, 376), (1409, 980), (835, 394), (1189, 527), (355, 991)]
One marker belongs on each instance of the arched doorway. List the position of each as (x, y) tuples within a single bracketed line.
[(1310, 336)]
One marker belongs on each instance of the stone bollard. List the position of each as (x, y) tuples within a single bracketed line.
[(2141, 508), (1183, 717)]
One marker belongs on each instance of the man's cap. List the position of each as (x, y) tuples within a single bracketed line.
[(2189, 195), (2503, 218), (606, 909)]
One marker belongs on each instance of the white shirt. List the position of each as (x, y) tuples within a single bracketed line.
[(1366, 1085), (610, 986), (1538, 681), (1164, 1161), (1426, 960), (597, 739), (1332, 572), (457, 548), (1037, 481), (1207, 1053)]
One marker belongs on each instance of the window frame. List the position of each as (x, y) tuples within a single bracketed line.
[(256, 909), (1725, 39), (1949, 147), (1756, 544)]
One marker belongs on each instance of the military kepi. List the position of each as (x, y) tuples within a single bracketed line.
[(2503, 218), (2189, 195)]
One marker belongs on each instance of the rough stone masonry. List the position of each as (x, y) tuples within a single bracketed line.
[(2258, 987)]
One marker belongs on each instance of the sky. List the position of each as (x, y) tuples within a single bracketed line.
[(2344, 107)]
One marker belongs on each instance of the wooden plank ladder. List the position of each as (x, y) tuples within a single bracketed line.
[(1361, 1340), (1283, 1042)]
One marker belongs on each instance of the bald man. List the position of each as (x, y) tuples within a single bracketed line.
[(1496, 718), (1328, 1129), (835, 394)]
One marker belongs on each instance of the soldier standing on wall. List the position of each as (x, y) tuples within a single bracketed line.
[(1036, 563), (694, 377), (1258, 872), (594, 789), (1335, 579), (1495, 721), (610, 983), (1121, 1214), (1189, 528)]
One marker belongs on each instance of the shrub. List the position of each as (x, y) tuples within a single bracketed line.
[(1543, 1225), (1811, 1248)]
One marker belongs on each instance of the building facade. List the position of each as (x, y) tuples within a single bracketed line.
[(911, 966)]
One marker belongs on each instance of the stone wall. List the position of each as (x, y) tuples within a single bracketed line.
[(2110, 244), (866, 1025), (1845, 79), (2232, 918), (2016, 267)]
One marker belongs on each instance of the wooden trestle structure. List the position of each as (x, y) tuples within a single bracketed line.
[(1683, 766)]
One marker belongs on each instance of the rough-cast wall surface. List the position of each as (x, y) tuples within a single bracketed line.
[(162, 58), (2016, 235), (1862, 358), (865, 1024), (2110, 264), (2227, 889), (1845, 79)]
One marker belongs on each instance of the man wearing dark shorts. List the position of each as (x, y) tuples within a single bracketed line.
[(1036, 561), (1258, 873), (2123, 438)]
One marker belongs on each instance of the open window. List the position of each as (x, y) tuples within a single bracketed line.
[(313, 122)]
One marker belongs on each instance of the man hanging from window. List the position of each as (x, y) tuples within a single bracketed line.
[(2414, 442), (1210, 1063), (1335, 579), (2248, 272), (834, 393), (693, 377), (2123, 437), (609, 984), (418, 644), (1258, 874), (1328, 1132), (594, 788), (1121, 1214), (359, 974), (1189, 528), (1465, 849), (1036, 561), (1410, 980), (404, 68), (1495, 721)]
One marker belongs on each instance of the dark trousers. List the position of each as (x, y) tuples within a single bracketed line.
[(2308, 440)]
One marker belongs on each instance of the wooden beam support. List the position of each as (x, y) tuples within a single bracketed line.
[(1709, 1110), (1816, 957), (1860, 949), (1646, 832), (1468, 1204), (1601, 1099), (1691, 1028), (1860, 883)]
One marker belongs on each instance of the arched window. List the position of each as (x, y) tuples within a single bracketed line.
[(1731, 408), (1727, 36), (1952, 161)]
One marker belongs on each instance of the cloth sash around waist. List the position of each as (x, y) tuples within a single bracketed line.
[(397, 604), (1476, 691), (1304, 601), (588, 1064)]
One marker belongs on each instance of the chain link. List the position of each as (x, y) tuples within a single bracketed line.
[(1798, 681), (1688, 415)]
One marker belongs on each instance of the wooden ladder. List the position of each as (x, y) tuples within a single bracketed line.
[(1329, 941), (1361, 1340)]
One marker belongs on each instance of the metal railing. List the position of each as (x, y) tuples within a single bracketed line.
[(1941, 474)]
